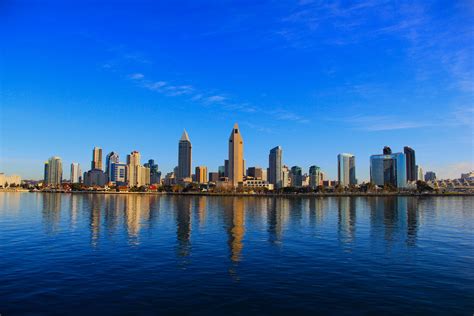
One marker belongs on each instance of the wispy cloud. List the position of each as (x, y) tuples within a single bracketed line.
[(461, 116)]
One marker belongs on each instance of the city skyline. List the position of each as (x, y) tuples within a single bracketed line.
[(314, 78)]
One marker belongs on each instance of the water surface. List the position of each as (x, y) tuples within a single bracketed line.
[(134, 254)]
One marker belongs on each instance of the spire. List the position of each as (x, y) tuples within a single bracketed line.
[(185, 136), (236, 126)]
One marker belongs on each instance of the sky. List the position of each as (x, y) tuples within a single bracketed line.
[(317, 78)]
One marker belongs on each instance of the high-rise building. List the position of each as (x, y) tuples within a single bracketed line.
[(419, 173), (411, 163), (55, 171), (95, 177), (285, 178), (296, 176), (430, 176), (236, 157), (346, 171), (110, 159), (118, 173), (315, 177), (255, 172), (221, 171), (76, 173), (275, 165), (388, 169), (226, 168), (155, 174), (96, 162), (201, 174), (46, 172), (387, 150), (184, 157), (133, 162)]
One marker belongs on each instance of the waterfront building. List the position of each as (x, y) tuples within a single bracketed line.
[(213, 176), (110, 159), (346, 172), (255, 173), (7, 181), (430, 176), (46, 172), (236, 157), (221, 171), (275, 165), (257, 183), (419, 173), (467, 176), (184, 156), (411, 163), (314, 177), (388, 169), (201, 174), (296, 176), (95, 177), (96, 162), (285, 177), (226, 168), (76, 173), (155, 174), (265, 174), (118, 174), (133, 162), (387, 150), (170, 179), (55, 172)]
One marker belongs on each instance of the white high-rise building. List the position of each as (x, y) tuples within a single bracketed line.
[(76, 174), (54, 171)]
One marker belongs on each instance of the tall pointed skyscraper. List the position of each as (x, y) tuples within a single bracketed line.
[(236, 156), (184, 156)]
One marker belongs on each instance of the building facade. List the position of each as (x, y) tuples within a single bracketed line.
[(55, 171), (118, 173), (255, 173), (133, 162), (96, 162), (315, 178), (296, 176), (184, 157), (201, 174), (388, 169), (411, 163), (275, 167), (76, 173), (110, 159), (346, 171), (430, 176), (236, 157)]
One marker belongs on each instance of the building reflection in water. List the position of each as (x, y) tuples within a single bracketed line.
[(96, 203), (51, 212), (234, 218), (346, 207), (277, 216), (137, 207), (183, 224), (200, 206)]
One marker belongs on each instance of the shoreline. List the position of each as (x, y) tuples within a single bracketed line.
[(328, 194)]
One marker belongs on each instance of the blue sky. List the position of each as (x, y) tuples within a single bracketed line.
[(318, 78)]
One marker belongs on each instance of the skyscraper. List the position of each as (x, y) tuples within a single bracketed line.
[(430, 176), (255, 172), (346, 173), (155, 174), (236, 157), (388, 169), (110, 159), (55, 171), (76, 173), (419, 173), (275, 172), (96, 162), (201, 174), (184, 157), (133, 162), (411, 163), (314, 176), (296, 176), (46, 172)]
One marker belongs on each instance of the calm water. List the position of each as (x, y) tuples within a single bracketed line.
[(136, 254)]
